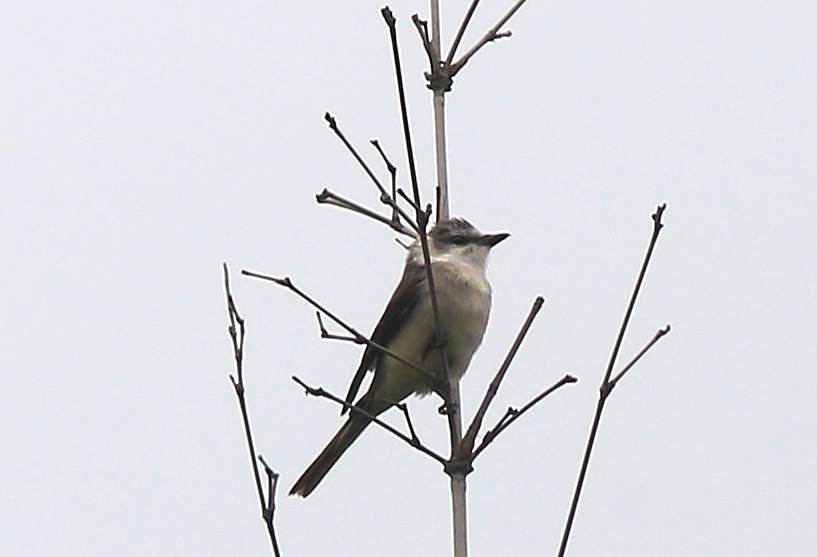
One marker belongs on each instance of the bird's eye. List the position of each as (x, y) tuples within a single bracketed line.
[(458, 239)]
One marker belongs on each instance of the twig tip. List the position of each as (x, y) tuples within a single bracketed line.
[(322, 196), (658, 214), (388, 16)]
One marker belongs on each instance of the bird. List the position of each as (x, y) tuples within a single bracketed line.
[(459, 256)]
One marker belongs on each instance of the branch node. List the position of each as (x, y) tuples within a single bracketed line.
[(441, 80), (458, 467)]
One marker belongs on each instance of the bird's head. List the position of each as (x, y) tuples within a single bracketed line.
[(458, 238)]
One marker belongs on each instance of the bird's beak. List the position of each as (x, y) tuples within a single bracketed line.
[(491, 240)]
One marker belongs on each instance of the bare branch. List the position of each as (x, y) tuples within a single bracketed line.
[(333, 125), (403, 407), (237, 339), (360, 339), (461, 31), (327, 335), (422, 223), (272, 487), (493, 388), (605, 389), (407, 199), (492, 35), (389, 166), (320, 392), (395, 216), (385, 198), (623, 372), (422, 29), (327, 197), (512, 414)]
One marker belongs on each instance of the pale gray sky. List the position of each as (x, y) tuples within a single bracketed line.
[(142, 143)]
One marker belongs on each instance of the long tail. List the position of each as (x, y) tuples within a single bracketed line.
[(342, 440)]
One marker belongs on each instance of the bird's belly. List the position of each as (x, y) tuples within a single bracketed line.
[(464, 306)]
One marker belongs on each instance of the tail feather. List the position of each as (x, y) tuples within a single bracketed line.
[(342, 440)]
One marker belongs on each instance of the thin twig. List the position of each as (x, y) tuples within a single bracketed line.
[(395, 216), (492, 35), (407, 199), (237, 339), (360, 339), (403, 407), (328, 197), (605, 389), (422, 224), (327, 335), (461, 31), (403, 244), (493, 388), (422, 29), (385, 198), (320, 392), (623, 372), (512, 414), (272, 487)]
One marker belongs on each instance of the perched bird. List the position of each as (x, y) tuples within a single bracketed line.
[(459, 254)]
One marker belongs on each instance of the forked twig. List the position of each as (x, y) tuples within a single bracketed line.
[(328, 197), (330, 336), (492, 35), (385, 198), (320, 392), (461, 31), (512, 414), (628, 367), (606, 388), (237, 338), (272, 487), (359, 338)]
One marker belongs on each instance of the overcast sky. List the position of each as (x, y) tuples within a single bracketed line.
[(143, 143)]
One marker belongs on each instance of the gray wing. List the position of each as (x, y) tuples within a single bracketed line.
[(398, 310)]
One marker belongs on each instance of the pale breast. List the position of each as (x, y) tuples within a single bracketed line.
[(465, 303)]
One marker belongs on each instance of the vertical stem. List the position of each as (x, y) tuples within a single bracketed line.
[(458, 501), (460, 519), (442, 164), (439, 119)]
